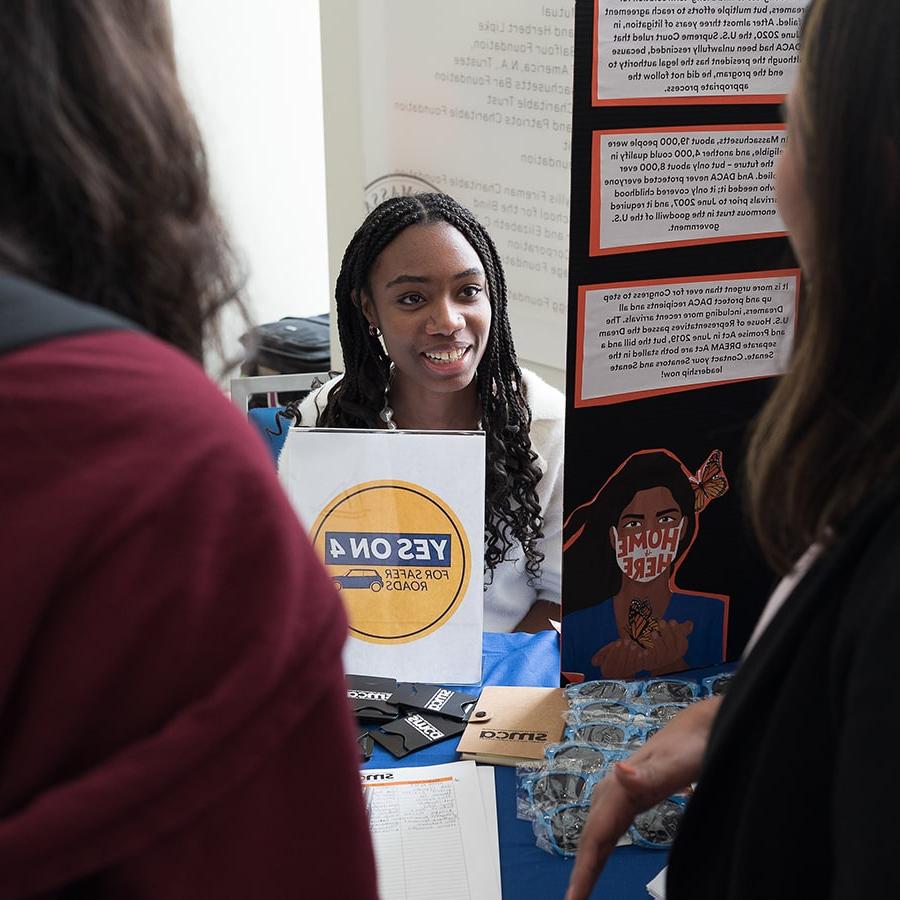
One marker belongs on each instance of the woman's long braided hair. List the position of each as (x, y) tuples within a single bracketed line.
[(512, 510)]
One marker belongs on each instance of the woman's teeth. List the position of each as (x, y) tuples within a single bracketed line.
[(447, 356)]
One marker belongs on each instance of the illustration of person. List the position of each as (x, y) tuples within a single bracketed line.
[(625, 546)]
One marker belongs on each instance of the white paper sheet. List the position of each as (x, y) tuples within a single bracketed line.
[(657, 887), (430, 833), (647, 338), (667, 51), (680, 186), (489, 800)]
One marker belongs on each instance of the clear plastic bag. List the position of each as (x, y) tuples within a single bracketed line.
[(669, 690), (717, 685), (558, 829), (612, 690)]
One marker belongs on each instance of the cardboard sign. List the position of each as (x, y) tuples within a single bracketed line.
[(402, 536)]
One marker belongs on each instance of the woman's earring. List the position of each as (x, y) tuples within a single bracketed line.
[(387, 413), (373, 330)]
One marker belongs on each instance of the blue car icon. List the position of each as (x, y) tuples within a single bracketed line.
[(356, 579)]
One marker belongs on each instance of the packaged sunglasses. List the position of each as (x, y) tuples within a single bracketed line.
[(657, 714), (604, 711), (585, 756), (616, 691), (545, 788), (609, 735), (656, 827), (717, 685), (669, 690), (558, 829)]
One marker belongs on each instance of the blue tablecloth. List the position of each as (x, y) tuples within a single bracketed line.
[(528, 872)]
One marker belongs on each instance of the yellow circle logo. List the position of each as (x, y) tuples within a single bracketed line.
[(399, 557)]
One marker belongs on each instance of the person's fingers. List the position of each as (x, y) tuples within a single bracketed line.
[(640, 783), (615, 665), (642, 656), (589, 863), (610, 650), (604, 652), (680, 632), (664, 646), (666, 638), (611, 814), (631, 658)]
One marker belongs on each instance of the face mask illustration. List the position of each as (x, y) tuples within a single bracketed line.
[(644, 555)]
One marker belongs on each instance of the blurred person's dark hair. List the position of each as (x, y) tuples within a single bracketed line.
[(830, 432), (104, 189)]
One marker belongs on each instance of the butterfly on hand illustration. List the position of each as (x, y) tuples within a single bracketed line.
[(643, 626), (710, 482)]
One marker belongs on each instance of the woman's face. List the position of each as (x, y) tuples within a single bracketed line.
[(428, 295), (790, 185), (647, 536), (652, 508)]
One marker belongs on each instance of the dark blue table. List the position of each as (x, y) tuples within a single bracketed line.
[(528, 872)]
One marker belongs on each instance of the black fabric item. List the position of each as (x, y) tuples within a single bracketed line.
[(30, 314), (290, 345), (799, 792)]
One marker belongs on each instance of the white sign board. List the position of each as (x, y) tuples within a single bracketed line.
[(644, 338), (402, 537), (661, 52), (658, 187), (475, 100)]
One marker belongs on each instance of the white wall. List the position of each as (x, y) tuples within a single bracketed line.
[(343, 136), (252, 71), (253, 74), (341, 37)]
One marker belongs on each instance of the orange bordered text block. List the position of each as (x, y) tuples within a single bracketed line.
[(654, 188), (640, 339), (666, 52)]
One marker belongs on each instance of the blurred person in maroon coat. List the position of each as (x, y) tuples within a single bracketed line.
[(172, 713)]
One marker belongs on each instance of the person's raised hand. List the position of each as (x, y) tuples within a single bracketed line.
[(620, 659), (670, 646), (667, 763)]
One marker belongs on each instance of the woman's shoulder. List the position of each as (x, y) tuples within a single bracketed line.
[(548, 420), (313, 403), (545, 401)]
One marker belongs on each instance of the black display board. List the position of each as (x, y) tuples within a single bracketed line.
[(659, 396)]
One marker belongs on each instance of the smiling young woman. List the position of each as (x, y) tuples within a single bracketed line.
[(429, 298), (422, 316)]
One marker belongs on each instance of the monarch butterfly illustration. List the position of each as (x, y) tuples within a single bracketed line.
[(710, 482), (643, 626)]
